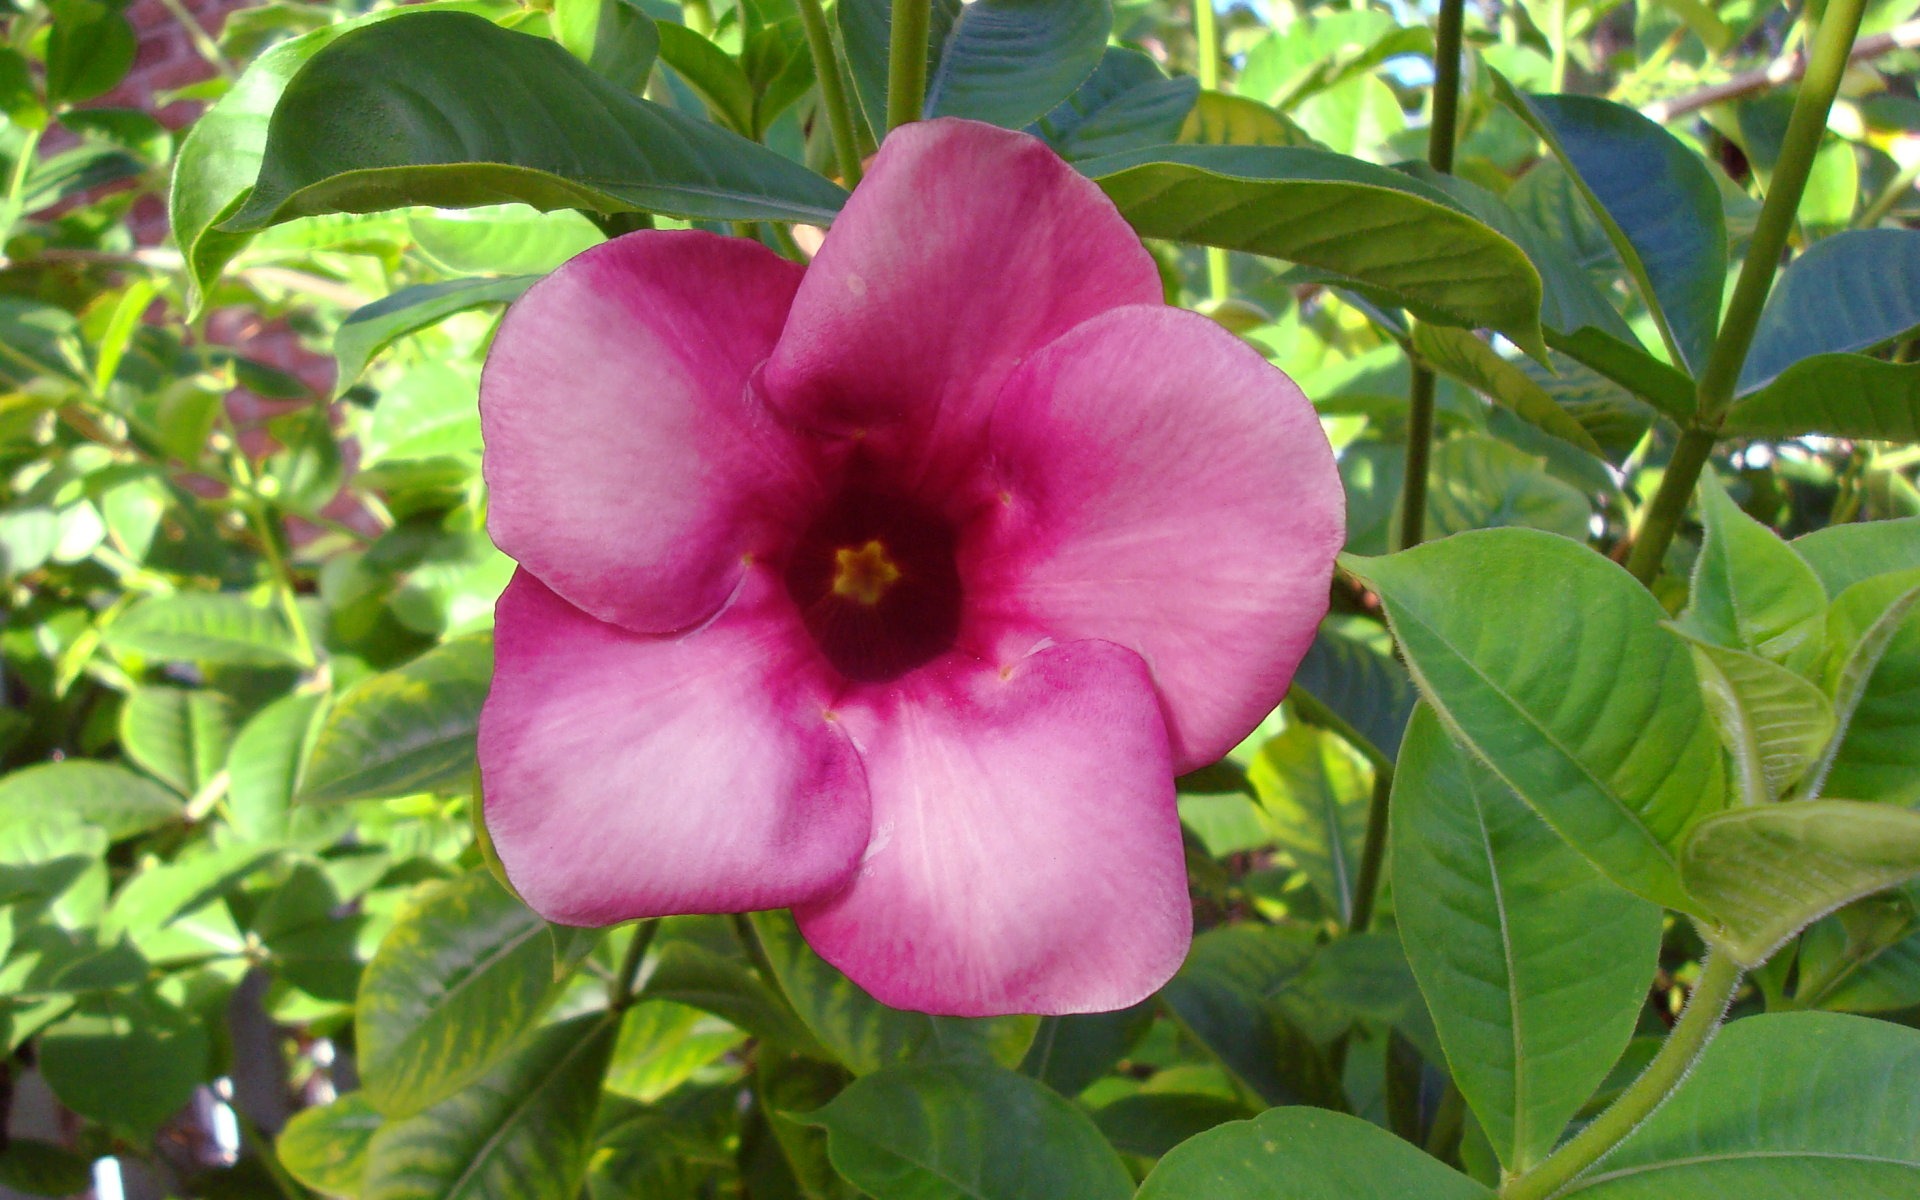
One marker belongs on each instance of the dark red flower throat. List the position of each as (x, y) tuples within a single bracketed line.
[(876, 582)]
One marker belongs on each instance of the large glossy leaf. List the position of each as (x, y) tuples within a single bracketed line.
[(1848, 292), (1764, 873), (461, 977), (1002, 61), (864, 1034), (967, 1132), (449, 110), (614, 37), (404, 731), (1842, 395), (1657, 201), (325, 1147), (1321, 209), (1486, 483), (1127, 103), (1771, 720), (371, 329), (111, 798), (1534, 965), (1750, 590), (1781, 1107), (206, 627), (523, 1130), (1549, 662), (1304, 1154), (712, 73)]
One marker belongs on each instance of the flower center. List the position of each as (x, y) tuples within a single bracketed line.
[(864, 574), (875, 581)]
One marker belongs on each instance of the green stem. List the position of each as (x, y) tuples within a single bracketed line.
[(1558, 78), (1206, 51), (1706, 1008), (1832, 44), (907, 62), (1413, 485), (13, 204), (1669, 504), (833, 90), (620, 990), (1441, 135), (1889, 196), (1373, 854), (270, 532)]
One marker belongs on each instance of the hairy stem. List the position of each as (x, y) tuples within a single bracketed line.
[(907, 62), (1669, 504), (833, 90), (1827, 62), (1706, 1008)]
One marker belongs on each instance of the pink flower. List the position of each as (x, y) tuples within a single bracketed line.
[(896, 588)]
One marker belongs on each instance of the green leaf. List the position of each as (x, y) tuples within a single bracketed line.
[(108, 797), (39, 1168), (1321, 209), (1766, 873), (404, 731), (1151, 1123), (1750, 590), (1314, 797), (1843, 555), (1534, 965), (713, 75), (1127, 103), (1877, 750), (1548, 661), (1851, 291), (128, 1060), (51, 858), (1351, 668), (263, 774), (371, 329), (501, 239), (89, 50), (1486, 483), (1222, 119), (864, 1034), (523, 1130), (430, 410), (1841, 395), (326, 1147), (614, 37), (1772, 721), (1005, 62), (461, 977), (1069, 1053), (1224, 996), (967, 1131), (1645, 376), (165, 892), (1463, 355), (1781, 1107), (689, 974), (1304, 1154), (449, 110), (177, 734), (662, 1045), (224, 628), (1655, 198)]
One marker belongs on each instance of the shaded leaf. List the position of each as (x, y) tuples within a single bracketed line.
[(1773, 722), (1851, 291), (1303, 1154), (325, 1147), (403, 731), (107, 797), (371, 329)]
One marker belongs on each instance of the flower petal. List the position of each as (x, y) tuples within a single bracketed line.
[(628, 466), (966, 247), (629, 775), (1170, 491), (1026, 852)]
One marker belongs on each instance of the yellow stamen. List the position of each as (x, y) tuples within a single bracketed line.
[(864, 574)]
